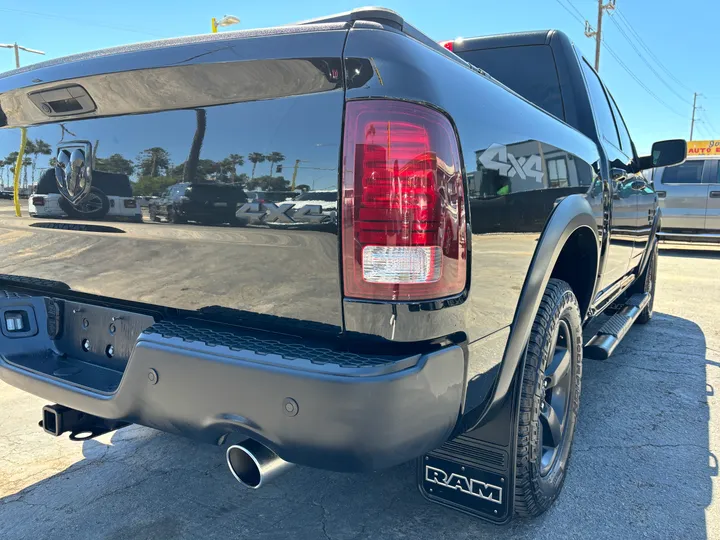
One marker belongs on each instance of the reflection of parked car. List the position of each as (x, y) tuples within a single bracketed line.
[(327, 199), (689, 199), (201, 202), (271, 196), (142, 201), (110, 196), (4, 194)]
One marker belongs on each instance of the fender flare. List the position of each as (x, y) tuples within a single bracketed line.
[(571, 214)]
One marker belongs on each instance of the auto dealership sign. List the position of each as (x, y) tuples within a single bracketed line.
[(703, 148)]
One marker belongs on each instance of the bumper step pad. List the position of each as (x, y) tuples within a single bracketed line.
[(475, 472), (602, 345)]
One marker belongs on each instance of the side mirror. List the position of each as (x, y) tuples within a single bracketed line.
[(665, 154)]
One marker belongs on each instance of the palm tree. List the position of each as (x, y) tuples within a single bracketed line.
[(274, 157), (38, 147), (255, 158)]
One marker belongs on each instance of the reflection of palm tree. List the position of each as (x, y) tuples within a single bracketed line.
[(192, 161), (27, 162), (255, 158), (10, 161), (38, 147), (235, 161), (274, 157)]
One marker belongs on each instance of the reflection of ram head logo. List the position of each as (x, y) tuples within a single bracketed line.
[(73, 171)]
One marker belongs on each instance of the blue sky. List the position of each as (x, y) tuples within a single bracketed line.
[(681, 34)]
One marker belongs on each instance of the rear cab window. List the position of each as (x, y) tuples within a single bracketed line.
[(693, 171), (528, 70)]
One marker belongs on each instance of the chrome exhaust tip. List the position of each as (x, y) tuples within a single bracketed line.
[(254, 464)]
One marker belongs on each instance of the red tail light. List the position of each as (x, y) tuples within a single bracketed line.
[(403, 210), (38, 201), (447, 44)]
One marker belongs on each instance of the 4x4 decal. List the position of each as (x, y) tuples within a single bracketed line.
[(267, 212), (497, 158)]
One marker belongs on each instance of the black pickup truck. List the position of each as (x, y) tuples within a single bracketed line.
[(489, 205)]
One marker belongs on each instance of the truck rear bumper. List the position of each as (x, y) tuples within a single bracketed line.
[(320, 408)]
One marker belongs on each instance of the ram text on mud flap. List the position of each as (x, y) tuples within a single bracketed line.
[(470, 486)]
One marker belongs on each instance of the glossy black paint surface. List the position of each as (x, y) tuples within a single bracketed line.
[(195, 114)]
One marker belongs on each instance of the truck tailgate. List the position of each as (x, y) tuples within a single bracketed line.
[(258, 109)]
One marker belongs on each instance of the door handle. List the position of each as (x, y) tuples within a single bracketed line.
[(661, 194), (715, 194)]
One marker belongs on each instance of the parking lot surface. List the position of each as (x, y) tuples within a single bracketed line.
[(644, 463)]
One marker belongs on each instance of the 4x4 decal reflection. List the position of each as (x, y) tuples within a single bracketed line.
[(268, 212)]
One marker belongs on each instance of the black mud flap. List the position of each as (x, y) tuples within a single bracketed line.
[(475, 472)]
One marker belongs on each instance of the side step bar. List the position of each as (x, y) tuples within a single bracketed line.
[(602, 345)]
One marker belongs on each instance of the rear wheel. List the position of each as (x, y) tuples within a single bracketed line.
[(173, 216), (549, 401), (94, 206)]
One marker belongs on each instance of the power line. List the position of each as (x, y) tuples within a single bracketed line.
[(576, 9), (650, 67), (82, 21), (707, 121), (702, 128), (637, 80), (649, 51), (579, 19)]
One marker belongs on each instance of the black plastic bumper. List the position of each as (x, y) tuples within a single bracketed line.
[(336, 411)]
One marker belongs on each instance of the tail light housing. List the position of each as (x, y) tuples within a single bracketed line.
[(38, 201), (403, 207), (448, 45)]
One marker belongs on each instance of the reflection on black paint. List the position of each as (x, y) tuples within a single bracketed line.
[(217, 136), (358, 72), (516, 186)]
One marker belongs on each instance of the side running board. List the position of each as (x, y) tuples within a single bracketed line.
[(602, 345)]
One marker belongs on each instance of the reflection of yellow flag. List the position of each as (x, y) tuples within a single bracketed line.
[(18, 168)]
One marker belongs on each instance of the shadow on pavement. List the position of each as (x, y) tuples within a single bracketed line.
[(639, 467)]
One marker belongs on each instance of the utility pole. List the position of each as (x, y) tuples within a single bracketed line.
[(18, 48), (597, 34), (695, 108)]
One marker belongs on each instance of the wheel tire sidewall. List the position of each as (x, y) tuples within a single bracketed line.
[(73, 213), (173, 216), (551, 482)]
